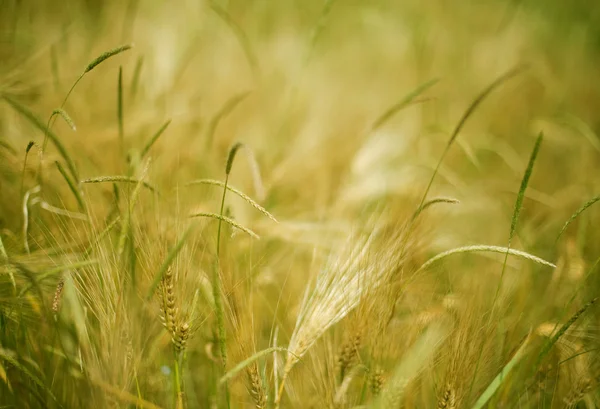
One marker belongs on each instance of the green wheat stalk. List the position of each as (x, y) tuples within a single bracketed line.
[(577, 213), (154, 138)]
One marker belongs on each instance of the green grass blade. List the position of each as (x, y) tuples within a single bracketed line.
[(485, 248), (154, 138), (478, 100), (406, 101), (136, 76), (523, 187), (30, 145), (518, 207), (225, 110), (231, 157), (126, 227), (434, 201), (236, 369), (9, 357), (105, 56), (226, 219), (577, 213), (54, 67), (120, 110), (235, 191), (548, 345), (63, 114), (8, 147), (119, 178), (501, 377), (74, 189), (318, 29), (165, 265), (40, 125)]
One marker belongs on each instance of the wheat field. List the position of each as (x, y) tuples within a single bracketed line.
[(299, 204)]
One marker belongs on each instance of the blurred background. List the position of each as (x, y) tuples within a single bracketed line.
[(312, 77)]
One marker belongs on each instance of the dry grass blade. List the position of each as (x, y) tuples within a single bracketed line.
[(226, 220), (32, 191), (342, 283), (102, 234), (484, 248), (40, 125), (397, 107), (240, 366), (123, 179), (259, 189), (237, 192), (413, 362), (342, 391), (241, 37), (154, 138), (225, 110), (577, 213), (124, 396), (56, 271), (4, 260), (499, 81), (62, 212), (3, 250)]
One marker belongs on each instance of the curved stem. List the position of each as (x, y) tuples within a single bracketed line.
[(48, 126)]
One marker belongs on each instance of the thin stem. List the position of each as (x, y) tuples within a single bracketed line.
[(221, 210), (51, 121), (221, 335), (177, 381)]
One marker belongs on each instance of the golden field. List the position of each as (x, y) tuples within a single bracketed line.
[(287, 204)]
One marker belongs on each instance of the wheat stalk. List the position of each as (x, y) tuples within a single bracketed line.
[(342, 283)]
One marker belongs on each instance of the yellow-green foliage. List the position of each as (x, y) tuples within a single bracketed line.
[(299, 204)]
